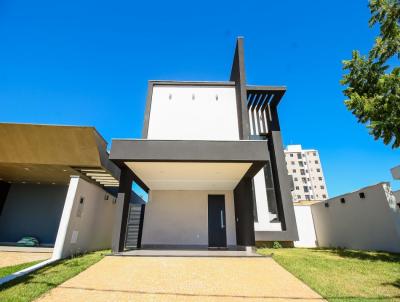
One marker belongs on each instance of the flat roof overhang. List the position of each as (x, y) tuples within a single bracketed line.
[(190, 164), (50, 154)]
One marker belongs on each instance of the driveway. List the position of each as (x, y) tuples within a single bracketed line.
[(15, 258), (183, 279)]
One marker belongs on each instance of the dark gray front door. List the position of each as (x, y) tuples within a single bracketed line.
[(216, 221)]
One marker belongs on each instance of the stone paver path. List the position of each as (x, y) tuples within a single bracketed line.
[(14, 258), (183, 279)]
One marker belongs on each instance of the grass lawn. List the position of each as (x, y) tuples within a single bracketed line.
[(343, 275), (34, 285), (5, 271)]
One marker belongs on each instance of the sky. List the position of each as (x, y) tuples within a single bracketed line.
[(88, 63)]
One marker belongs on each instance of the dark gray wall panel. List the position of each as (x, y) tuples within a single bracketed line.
[(32, 210), (244, 212)]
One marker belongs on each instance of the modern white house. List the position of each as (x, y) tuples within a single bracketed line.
[(304, 165), (212, 161)]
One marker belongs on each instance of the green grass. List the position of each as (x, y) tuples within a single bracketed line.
[(34, 285), (5, 271), (344, 275)]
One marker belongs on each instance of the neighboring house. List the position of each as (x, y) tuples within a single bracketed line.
[(367, 219), (57, 185), (306, 169), (212, 162)]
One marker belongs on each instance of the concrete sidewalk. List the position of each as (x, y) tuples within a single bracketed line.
[(183, 279)]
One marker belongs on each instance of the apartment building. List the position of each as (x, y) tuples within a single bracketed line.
[(306, 169)]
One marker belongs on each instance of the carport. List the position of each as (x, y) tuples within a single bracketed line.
[(36, 165)]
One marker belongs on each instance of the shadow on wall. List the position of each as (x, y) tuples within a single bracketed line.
[(364, 255)]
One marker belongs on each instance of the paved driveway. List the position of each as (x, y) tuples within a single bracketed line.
[(183, 279), (14, 258)]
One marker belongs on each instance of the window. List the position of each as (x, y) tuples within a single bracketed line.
[(308, 178), (319, 178), (342, 200), (322, 187), (298, 196), (301, 163), (318, 170), (302, 172), (315, 153), (304, 180), (312, 196), (297, 188), (295, 179), (305, 188), (294, 170), (307, 197), (292, 162), (306, 171), (316, 161), (291, 154), (299, 155), (361, 194), (323, 196)]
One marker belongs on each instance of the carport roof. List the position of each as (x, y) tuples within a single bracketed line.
[(51, 153)]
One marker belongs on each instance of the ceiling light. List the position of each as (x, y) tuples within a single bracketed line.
[(26, 169)]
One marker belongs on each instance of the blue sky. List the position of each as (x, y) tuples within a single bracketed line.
[(88, 62)]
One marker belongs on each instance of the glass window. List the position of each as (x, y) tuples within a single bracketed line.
[(323, 196), (304, 180), (291, 155), (319, 178), (297, 188), (292, 162), (316, 161), (302, 172), (318, 170), (294, 170), (298, 196), (295, 179), (305, 188), (299, 155), (301, 163), (315, 153), (322, 187), (307, 197)]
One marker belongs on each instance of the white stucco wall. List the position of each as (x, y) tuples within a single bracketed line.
[(175, 114), (263, 215), (305, 226), (181, 218), (366, 224), (93, 229)]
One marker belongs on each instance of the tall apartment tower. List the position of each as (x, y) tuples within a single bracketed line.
[(306, 169)]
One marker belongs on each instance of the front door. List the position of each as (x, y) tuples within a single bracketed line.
[(216, 221)]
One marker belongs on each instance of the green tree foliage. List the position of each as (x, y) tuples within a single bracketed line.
[(372, 85)]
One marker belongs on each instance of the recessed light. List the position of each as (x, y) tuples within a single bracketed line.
[(27, 169), (24, 182), (53, 183), (65, 170)]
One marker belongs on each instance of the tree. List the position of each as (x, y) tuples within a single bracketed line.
[(372, 84)]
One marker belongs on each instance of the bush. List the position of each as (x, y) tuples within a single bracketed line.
[(276, 245)]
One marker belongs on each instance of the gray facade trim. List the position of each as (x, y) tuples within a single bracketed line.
[(192, 83), (238, 75), (188, 151), (147, 110)]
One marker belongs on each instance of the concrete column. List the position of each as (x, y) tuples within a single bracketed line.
[(244, 215), (121, 219), (280, 175)]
